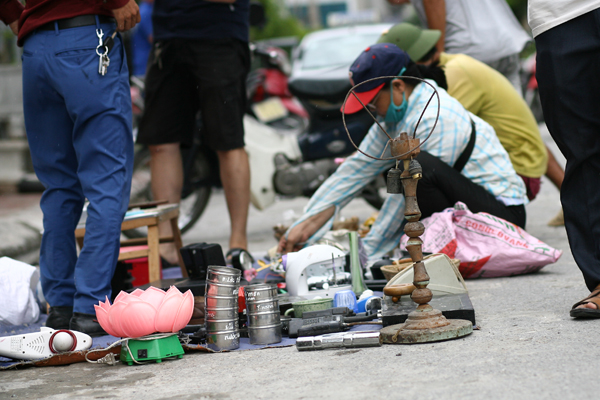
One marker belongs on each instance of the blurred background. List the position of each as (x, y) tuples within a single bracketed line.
[(287, 21)]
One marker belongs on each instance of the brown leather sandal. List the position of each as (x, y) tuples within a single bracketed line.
[(594, 298)]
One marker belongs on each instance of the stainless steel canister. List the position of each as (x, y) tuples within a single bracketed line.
[(226, 340), (260, 291), (222, 289), (215, 302), (262, 307), (221, 325), (226, 275), (221, 308), (266, 305), (221, 313)]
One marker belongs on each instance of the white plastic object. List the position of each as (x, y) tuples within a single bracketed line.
[(365, 294), (314, 260), (18, 304), (43, 344)]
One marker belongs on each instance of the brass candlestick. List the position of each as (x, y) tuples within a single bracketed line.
[(425, 324)]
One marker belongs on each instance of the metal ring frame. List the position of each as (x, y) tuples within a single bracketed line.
[(351, 91)]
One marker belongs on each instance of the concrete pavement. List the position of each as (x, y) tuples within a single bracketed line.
[(527, 348), (20, 226)]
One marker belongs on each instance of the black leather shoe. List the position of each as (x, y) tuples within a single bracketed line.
[(86, 323), (59, 317)]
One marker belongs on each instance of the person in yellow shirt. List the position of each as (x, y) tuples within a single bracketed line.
[(489, 95)]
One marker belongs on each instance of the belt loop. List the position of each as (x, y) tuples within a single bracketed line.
[(97, 21), (56, 28)]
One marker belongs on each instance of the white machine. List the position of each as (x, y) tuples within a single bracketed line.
[(42, 344), (316, 271)]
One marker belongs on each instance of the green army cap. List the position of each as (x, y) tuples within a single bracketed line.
[(416, 42)]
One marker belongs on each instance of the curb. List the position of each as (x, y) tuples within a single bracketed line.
[(19, 240)]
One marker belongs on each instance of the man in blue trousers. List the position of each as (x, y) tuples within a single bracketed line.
[(78, 120)]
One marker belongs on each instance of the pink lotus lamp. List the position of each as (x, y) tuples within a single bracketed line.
[(142, 313)]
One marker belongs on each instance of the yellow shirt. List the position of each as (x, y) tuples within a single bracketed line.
[(489, 95)]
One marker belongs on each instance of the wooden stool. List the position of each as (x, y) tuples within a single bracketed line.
[(149, 217)]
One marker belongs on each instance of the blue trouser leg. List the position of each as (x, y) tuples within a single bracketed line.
[(79, 130), (568, 63), (55, 162)]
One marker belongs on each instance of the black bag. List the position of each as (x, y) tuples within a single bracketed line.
[(198, 256)]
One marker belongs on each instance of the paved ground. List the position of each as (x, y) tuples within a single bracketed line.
[(20, 226), (527, 348)]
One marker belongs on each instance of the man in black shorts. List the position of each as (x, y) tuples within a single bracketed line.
[(199, 62)]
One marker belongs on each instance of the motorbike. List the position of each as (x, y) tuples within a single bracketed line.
[(267, 85), (283, 162)]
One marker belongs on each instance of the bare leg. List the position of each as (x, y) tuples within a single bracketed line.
[(235, 176), (554, 172), (167, 181)]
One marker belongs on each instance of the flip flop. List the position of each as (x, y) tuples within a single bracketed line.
[(594, 298)]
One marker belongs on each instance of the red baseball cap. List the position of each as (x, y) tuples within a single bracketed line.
[(382, 59)]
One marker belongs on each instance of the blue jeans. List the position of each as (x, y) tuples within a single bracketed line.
[(79, 131)]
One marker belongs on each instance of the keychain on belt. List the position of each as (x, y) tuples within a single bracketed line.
[(103, 49)]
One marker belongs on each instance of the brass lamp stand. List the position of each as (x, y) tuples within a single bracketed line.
[(425, 324)]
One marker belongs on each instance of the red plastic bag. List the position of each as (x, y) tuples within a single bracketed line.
[(487, 246)]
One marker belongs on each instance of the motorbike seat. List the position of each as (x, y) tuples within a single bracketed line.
[(330, 90)]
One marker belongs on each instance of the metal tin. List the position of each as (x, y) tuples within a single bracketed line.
[(227, 340), (222, 325), (221, 313), (221, 302), (265, 334), (268, 305), (224, 275), (222, 289), (262, 306), (259, 292), (263, 319)]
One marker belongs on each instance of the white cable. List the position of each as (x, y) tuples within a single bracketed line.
[(106, 359)]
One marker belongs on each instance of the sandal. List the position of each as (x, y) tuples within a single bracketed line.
[(594, 298)]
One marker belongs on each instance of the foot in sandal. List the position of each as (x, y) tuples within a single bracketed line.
[(588, 307)]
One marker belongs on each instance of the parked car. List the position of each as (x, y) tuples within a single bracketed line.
[(320, 63)]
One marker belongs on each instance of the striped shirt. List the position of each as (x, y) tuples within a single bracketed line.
[(488, 166)]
